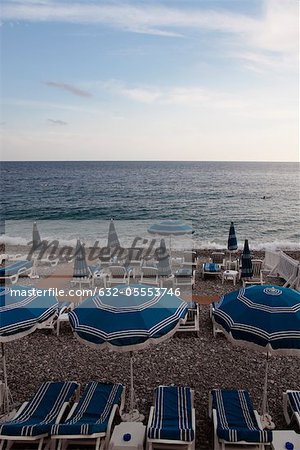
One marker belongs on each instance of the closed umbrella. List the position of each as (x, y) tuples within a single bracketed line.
[(134, 319), (36, 238), (266, 318), (112, 240), (81, 269), (22, 310), (232, 241), (246, 270), (163, 260)]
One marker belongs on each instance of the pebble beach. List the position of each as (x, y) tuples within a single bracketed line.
[(201, 362)]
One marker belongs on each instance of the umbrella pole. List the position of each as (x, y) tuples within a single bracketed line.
[(6, 393), (133, 415), (131, 384), (265, 392)]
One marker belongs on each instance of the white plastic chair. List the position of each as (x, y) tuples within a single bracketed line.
[(149, 275), (257, 277)]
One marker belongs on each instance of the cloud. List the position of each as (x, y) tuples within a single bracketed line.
[(269, 36), (171, 95), (275, 27), (190, 98), (69, 88), (57, 122)]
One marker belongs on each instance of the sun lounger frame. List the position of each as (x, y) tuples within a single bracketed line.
[(289, 414), (39, 439), (168, 443), (220, 444), (29, 271), (101, 439), (192, 322)]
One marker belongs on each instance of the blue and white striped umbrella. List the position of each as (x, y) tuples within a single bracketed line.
[(265, 317), (170, 228), (127, 321), (22, 311), (232, 241), (246, 270)]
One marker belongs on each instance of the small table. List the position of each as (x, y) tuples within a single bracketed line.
[(230, 275), (137, 431), (280, 437)]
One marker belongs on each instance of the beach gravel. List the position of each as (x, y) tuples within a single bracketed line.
[(201, 362)]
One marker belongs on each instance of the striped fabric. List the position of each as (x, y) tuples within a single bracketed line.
[(170, 228), (232, 241), (128, 321), (246, 270), (294, 399), (14, 268), (81, 269), (184, 273), (163, 264), (172, 417), (211, 267), (113, 240), (93, 410), (42, 410), (266, 316), (236, 418), (22, 311)]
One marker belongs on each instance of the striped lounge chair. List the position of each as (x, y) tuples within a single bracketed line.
[(13, 271), (291, 407), (172, 419), (33, 421), (235, 420), (212, 269), (192, 322), (91, 418)]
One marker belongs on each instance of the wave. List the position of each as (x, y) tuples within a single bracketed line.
[(257, 245)]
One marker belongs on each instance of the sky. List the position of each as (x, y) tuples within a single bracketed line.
[(211, 80)]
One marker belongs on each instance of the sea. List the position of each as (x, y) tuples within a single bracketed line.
[(71, 199)]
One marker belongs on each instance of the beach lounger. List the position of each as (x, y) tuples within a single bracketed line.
[(190, 260), (211, 269), (6, 257), (235, 420), (192, 319), (216, 328), (63, 314), (48, 260), (257, 277), (172, 421), (135, 256), (291, 407), (33, 421), (92, 417), (218, 258), (118, 275), (13, 271), (149, 275), (93, 273), (184, 277)]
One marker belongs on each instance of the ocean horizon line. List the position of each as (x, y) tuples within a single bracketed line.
[(147, 160)]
